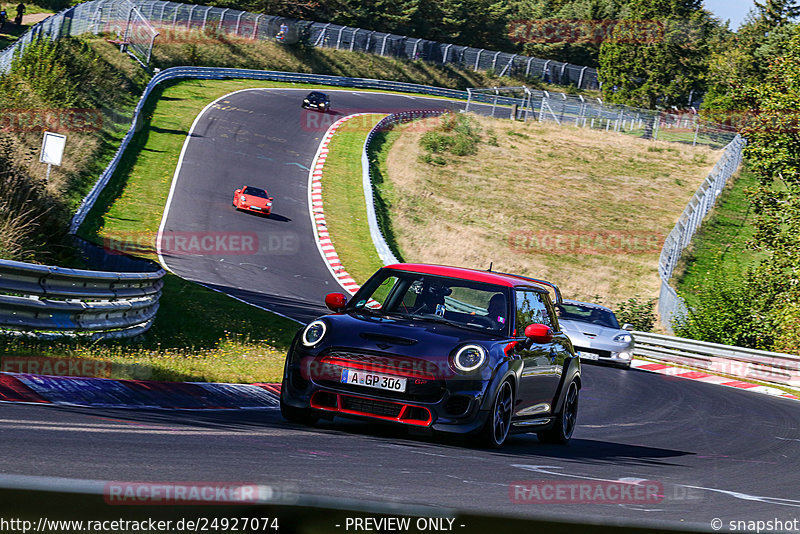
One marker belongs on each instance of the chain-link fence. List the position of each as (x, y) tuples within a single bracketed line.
[(134, 23), (670, 305)]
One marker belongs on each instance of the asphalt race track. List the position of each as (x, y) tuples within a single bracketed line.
[(715, 452), (263, 138)]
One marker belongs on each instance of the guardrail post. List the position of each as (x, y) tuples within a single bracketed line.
[(469, 98)]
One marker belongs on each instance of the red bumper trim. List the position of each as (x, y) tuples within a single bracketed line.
[(408, 412)]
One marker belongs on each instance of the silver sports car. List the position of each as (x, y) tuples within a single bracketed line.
[(595, 332)]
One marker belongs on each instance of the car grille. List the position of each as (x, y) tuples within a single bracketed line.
[(386, 410), (422, 384)]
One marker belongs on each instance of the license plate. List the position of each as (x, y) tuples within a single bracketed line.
[(372, 380), (588, 355)]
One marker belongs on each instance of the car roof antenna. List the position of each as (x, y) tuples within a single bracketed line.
[(490, 266)]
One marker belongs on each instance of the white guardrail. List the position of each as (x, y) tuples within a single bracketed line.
[(759, 365), (53, 301)]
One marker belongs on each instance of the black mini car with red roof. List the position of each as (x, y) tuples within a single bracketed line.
[(443, 348)]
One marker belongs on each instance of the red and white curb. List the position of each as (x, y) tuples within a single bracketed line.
[(700, 376), (321, 234)]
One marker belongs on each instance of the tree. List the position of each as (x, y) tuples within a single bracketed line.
[(657, 69), (777, 12)]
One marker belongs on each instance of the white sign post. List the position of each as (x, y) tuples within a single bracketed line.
[(52, 149)]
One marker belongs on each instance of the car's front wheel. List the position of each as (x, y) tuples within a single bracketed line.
[(565, 424), (303, 416), (499, 423)]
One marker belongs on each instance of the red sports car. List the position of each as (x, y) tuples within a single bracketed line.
[(252, 199)]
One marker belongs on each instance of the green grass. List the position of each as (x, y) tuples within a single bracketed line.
[(343, 195), (199, 335), (723, 237)]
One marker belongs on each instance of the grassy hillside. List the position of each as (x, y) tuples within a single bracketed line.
[(588, 210)]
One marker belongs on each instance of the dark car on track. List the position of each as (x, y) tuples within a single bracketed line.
[(318, 101), (441, 348)]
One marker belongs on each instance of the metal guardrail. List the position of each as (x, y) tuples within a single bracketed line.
[(763, 366), (53, 301), (383, 249)]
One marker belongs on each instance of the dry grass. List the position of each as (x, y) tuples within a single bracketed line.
[(522, 204)]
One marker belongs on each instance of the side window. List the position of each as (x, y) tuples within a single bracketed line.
[(531, 309)]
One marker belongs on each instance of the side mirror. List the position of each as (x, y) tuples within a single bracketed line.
[(628, 327), (335, 302), (539, 333)]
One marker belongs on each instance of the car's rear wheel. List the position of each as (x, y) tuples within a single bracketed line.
[(565, 424), (499, 423), (303, 416)]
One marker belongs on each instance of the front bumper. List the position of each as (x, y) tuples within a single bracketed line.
[(257, 209), (455, 406), (617, 356)]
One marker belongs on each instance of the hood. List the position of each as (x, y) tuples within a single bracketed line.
[(399, 336), (579, 330)]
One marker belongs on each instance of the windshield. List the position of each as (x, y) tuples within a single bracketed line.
[(587, 314), (255, 192), (463, 303)]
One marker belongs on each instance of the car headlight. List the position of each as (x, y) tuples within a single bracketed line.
[(469, 357), (305, 101), (314, 333), (241, 198), (622, 338)]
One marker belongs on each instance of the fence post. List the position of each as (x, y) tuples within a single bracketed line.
[(339, 39), (446, 50), (494, 61), (494, 105), (544, 71), (383, 45), (353, 39), (221, 19), (580, 79), (238, 22), (255, 26), (205, 18), (189, 21), (175, 17), (414, 52), (469, 98), (696, 131), (477, 59)]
